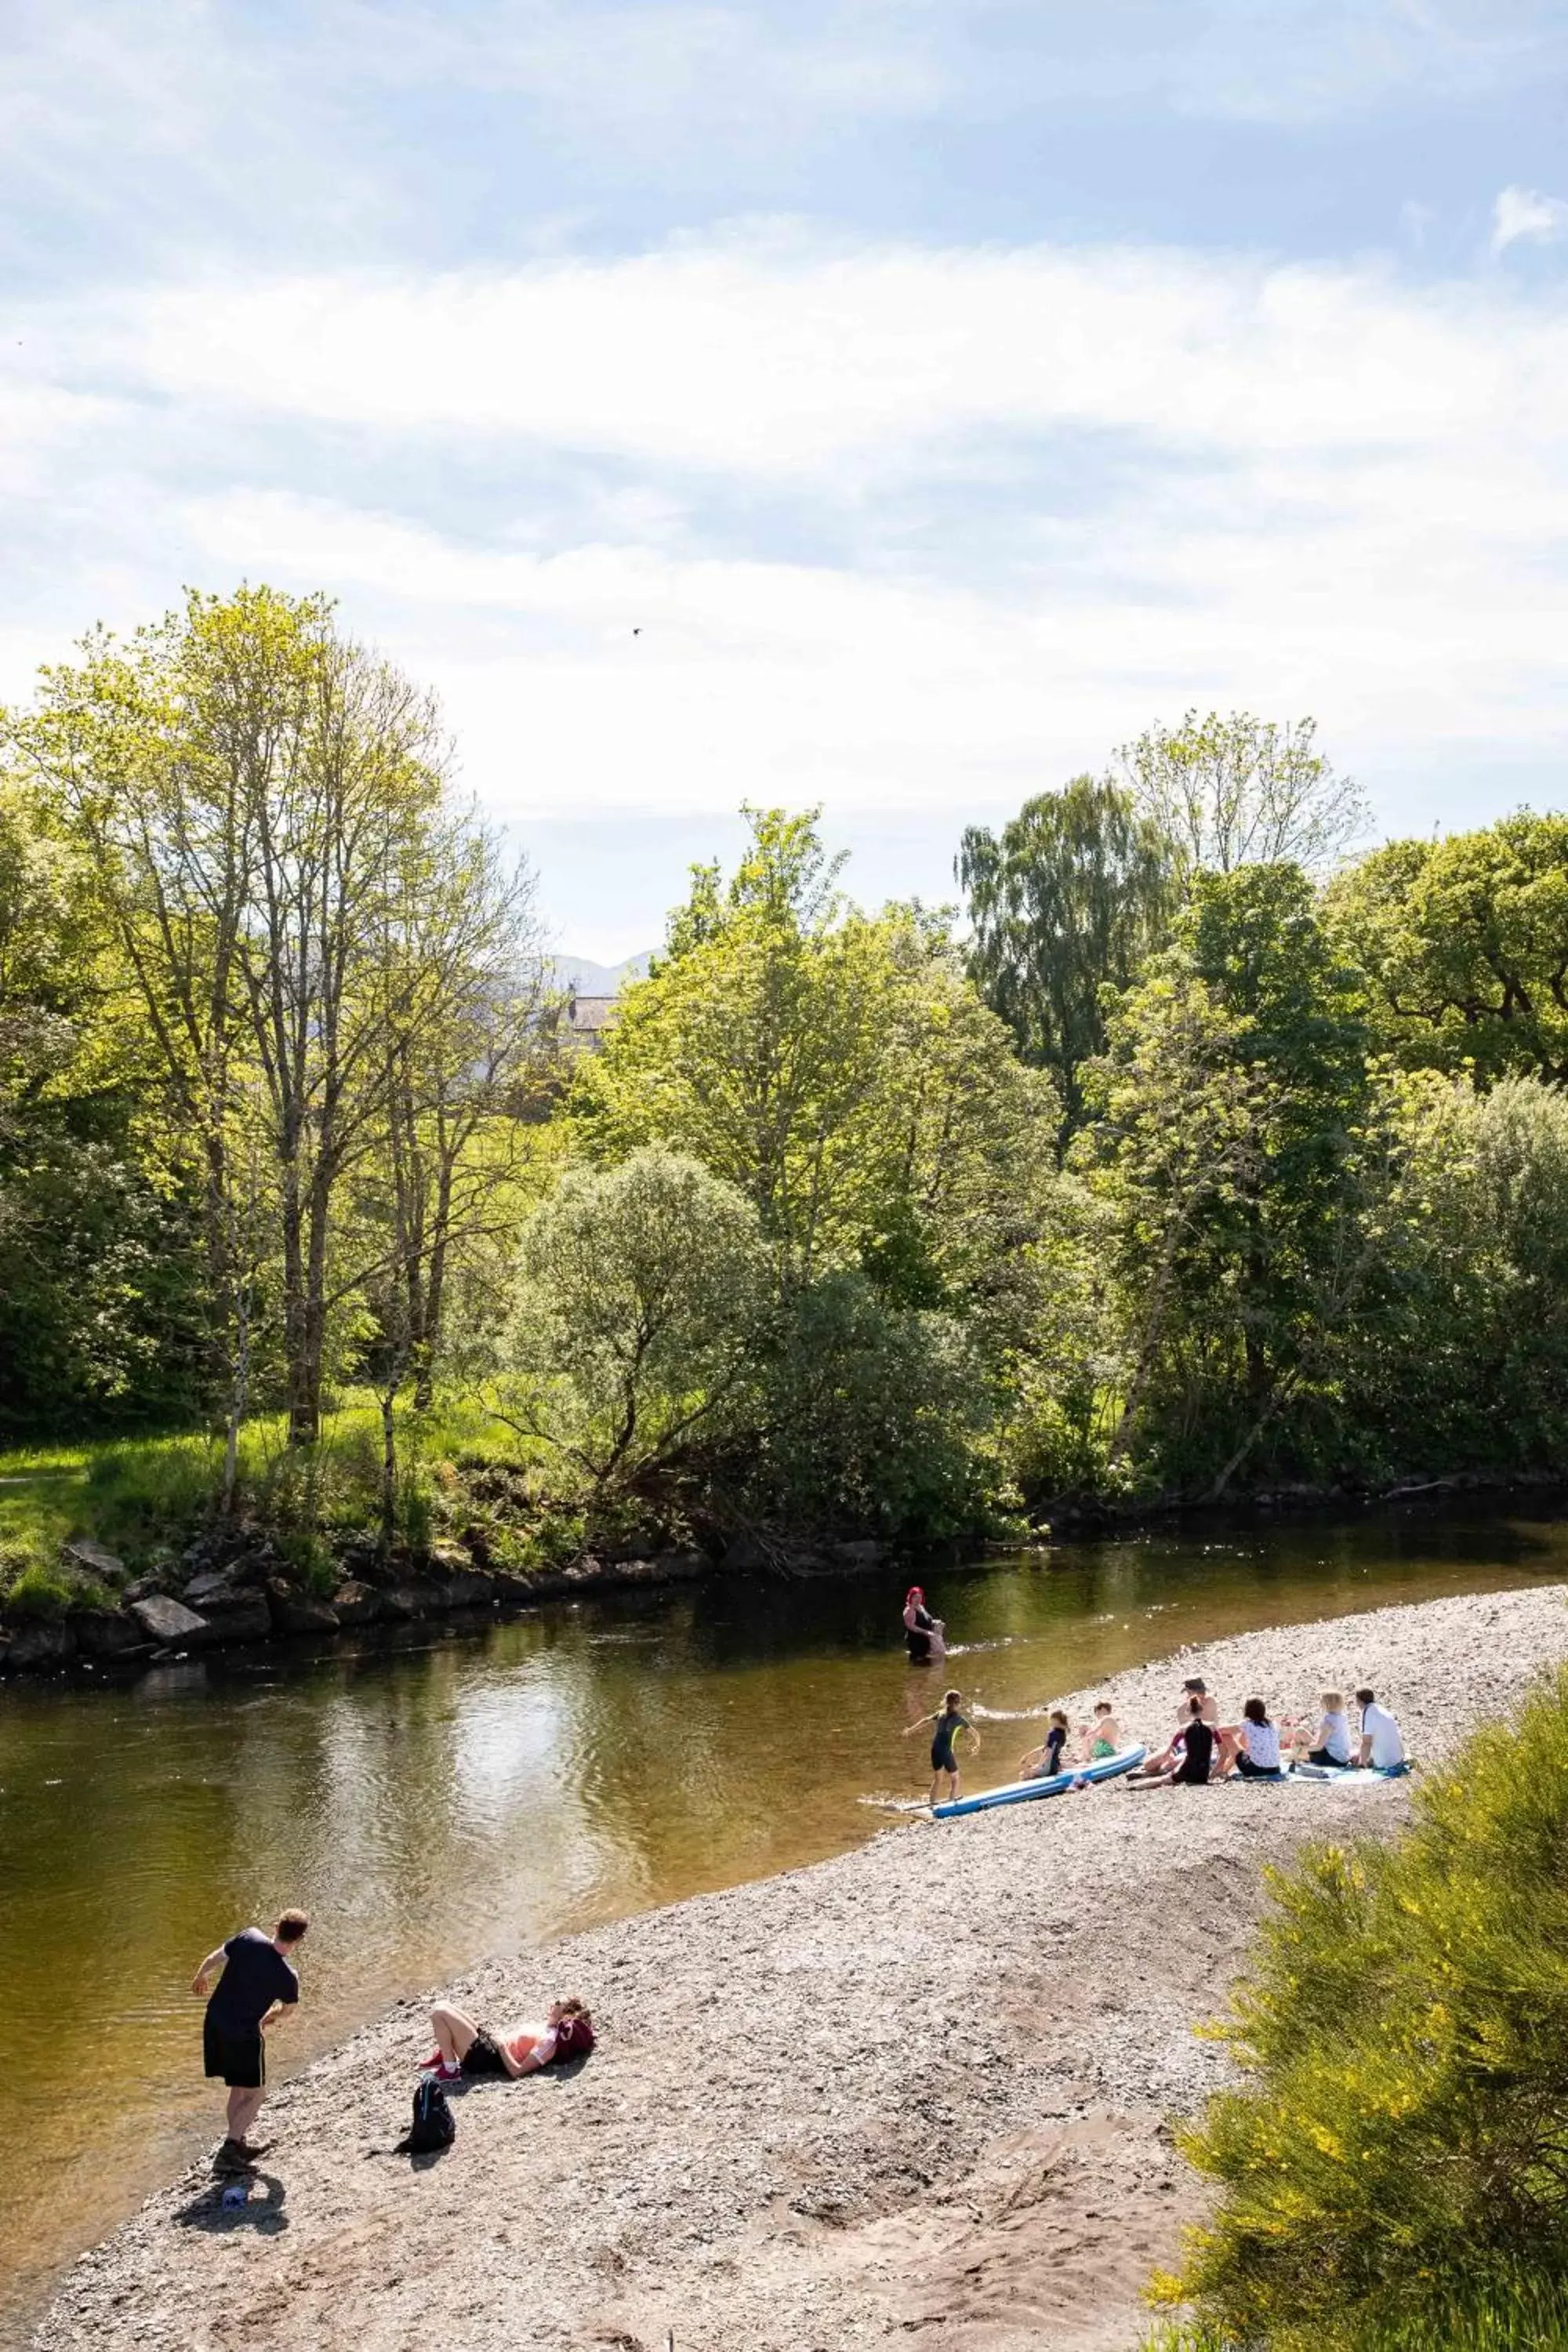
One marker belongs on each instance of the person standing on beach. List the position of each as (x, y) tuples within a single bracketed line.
[(949, 1724), (257, 1983)]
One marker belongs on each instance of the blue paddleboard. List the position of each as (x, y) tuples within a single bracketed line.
[(1019, 1792)]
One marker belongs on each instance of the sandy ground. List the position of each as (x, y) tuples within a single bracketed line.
[(917, 2095)]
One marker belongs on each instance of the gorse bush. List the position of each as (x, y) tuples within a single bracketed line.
[(1514, 2312), (1400, 2153)]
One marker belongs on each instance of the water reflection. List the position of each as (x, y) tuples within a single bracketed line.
[(431, 1801)]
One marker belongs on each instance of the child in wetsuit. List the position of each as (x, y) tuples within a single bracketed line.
[(1043, 1763), (949, 1724)]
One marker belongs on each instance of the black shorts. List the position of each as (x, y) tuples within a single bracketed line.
[(1251, 1771), (481, 2056), (1335, 1763), (237, 2058)]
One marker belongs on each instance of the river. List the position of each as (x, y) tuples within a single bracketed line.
[(434, 1799)]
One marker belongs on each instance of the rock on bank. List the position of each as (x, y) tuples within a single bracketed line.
[(913, 2094)]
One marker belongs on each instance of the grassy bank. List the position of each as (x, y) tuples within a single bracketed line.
[(145, 1498)]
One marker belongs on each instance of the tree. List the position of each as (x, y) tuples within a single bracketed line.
[(1235, 1125), (1076, 893), (99, 1299), (261, 801), (634, 1322), (1466, 944), (840, 1072), (1239, 792)]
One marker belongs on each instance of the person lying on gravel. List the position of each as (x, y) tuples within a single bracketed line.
[(1194, 1753), (1251, 1748), (1043, 1763), (463, 2048), (1194, 1687), (257, 1983)]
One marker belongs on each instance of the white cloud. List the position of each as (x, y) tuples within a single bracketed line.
[(1521, 216), (771, 354), (1069, 491)]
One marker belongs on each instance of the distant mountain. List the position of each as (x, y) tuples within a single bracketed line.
[(588, 978)]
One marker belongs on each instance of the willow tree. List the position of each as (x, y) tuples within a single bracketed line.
[(1071, 899)]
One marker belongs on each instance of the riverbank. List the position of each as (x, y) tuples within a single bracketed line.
[(922, 2086)]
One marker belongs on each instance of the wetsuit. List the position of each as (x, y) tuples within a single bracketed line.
[(1198, 1754), (942, 1755)]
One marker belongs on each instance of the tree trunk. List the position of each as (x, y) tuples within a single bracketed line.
[(388, 1470)]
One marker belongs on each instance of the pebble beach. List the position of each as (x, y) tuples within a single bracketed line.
[(919, 2094)]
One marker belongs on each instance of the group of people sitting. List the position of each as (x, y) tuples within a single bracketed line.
[(1092, 1742), (1203, 1748)]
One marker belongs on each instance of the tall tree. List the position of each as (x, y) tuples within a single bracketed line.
[(1235, 1108), (1466, 944), (1239, 791), (257, 795), (1074, 894), (839, 1071)]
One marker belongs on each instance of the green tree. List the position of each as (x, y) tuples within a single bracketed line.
[(98, 1297), (262, 803), (840, 1072), (1466, 944), (1235, 1135), (1243, 792), (1072, 898), (634, 1324)]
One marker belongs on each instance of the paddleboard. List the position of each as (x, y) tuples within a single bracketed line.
[(1019, 1792)]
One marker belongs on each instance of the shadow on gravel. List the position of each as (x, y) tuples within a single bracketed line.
[(265, 2214)]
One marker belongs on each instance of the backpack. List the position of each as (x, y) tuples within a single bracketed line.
[(433, 2126)]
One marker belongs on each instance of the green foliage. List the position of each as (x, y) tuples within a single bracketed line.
[(1070, 901), (1239, 792), (1466, 941), (1399, 2152), (872, 1418), (640, 1294), (840, 1073), (1236, 1123), (40, 1593)]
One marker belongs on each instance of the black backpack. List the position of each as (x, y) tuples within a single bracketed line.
[(433, 2126)]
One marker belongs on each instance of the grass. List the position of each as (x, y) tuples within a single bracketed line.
[(143, 1496)]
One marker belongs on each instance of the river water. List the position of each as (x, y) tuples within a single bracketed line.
[(437, 1800)]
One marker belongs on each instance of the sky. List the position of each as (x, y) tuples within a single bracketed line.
[(889, 405)]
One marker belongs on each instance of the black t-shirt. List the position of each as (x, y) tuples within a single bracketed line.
[(255, 1975), (1199, 1753)]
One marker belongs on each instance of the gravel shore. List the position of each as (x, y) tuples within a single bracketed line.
[(915, 2094)]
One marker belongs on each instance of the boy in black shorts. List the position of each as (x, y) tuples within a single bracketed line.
[(257, 1983)]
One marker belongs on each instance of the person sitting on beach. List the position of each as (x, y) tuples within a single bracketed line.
[(948, 1723), (923, 1632), (1194, 1754), (1333, 1746), (1194, 1687), (1103, 1735), (1043, 1763), (463, 2048), (1382, 1741), (1252, 1745)]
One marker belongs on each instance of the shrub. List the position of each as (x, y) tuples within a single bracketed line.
[(1400, 2154)]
